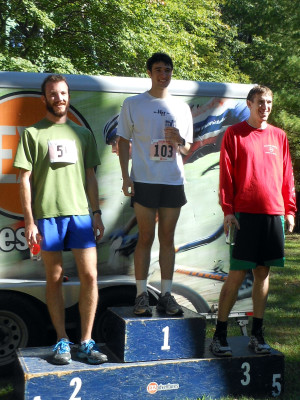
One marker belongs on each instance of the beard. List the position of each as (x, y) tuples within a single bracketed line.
[(57, 113)]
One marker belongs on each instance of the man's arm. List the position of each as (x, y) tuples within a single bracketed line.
[(128, 188), (226, 186), (31, 231), (226, 191), (185, 149), (93, 196), (288, 188)]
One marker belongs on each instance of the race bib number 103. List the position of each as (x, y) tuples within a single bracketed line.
[(161, 150)]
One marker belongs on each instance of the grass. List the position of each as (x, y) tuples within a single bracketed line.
[(282, 322), (6, 389)]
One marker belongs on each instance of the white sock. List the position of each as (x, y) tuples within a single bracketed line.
[(166, 286), (141, 286)]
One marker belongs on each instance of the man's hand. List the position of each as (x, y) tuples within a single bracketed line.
[(290, 221), (128, 187), (230, 220), (98, 227), (172, 135), (32, 235)]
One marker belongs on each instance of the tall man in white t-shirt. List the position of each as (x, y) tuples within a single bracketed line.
[(160, 128)]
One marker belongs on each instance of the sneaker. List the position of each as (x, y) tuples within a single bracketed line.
[(258, 345), (141, 306), (91, 352), (220, 347), (62, 350), (169, 305)]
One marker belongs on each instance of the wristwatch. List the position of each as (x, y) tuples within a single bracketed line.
[(97, 212), (183, 142)]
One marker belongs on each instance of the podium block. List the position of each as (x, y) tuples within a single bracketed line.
[(244, 374), (160, 337)]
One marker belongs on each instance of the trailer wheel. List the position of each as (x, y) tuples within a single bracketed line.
[(21, 325)]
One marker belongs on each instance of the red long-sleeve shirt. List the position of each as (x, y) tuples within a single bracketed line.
[(256, 173)]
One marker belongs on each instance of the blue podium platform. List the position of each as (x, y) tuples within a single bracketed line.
[(245, 373), (159, 337)]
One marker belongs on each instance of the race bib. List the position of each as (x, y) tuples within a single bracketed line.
[(62, 151), (161, 150)]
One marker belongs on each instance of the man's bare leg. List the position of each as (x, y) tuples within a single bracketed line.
[(219, 345), (229, 293), (146, 224), (54, 293), (259, 297), (167, 220), (260, 290), (86, 261)]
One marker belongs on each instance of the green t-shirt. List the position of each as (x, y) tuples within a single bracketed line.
[(58, 187)]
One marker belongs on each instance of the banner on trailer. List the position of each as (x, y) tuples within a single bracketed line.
[(202, 256)]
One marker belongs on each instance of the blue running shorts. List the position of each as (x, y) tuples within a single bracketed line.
[(62, 233)]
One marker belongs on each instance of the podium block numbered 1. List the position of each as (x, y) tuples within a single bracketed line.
[(159, 337)]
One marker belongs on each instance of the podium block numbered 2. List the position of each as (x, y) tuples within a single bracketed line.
[(159, 337)]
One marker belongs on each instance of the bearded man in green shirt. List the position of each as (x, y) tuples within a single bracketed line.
[(58, 185)]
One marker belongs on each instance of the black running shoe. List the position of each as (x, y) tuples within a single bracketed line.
[(169, 305), (220, 347), (141, 306), (257, 343)]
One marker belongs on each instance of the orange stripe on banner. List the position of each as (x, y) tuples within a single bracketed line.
[(202, 274)]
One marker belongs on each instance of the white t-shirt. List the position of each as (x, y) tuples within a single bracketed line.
[(143, 119)]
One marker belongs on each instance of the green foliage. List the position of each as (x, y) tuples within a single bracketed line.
[(116, 37), (16, 64), (269, 31), (269, 52), (285, 115)]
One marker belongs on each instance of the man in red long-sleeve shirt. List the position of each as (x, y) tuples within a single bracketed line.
[(257, 196)]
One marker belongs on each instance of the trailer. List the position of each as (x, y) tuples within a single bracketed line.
[(202, 256)]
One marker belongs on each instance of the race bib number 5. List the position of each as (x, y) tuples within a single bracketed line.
[(161, 150), (62, 150)]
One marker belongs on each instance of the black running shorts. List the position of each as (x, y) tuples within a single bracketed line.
[(156, 195), (259, 241)]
